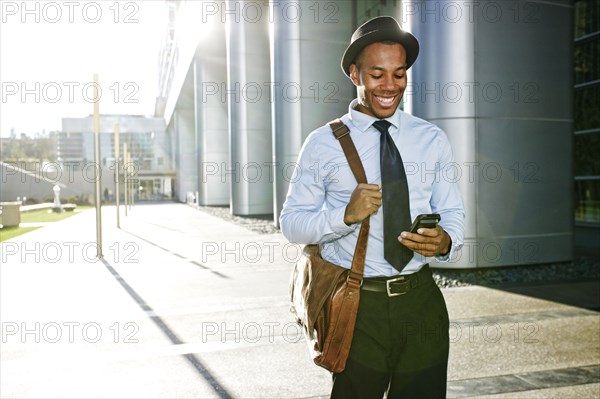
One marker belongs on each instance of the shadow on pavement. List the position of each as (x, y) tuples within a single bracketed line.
[(178, 255), (575, 283), (171, 335), (580, 291), (583, 294)]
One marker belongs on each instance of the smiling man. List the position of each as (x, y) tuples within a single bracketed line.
[(379, 73), (400, 343)]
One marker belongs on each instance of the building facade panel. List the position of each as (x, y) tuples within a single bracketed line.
[(442, 91), (250, 131), (187, 177), (309, 93), (212, 124), (511, 106)]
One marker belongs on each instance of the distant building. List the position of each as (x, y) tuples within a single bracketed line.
[(70, 146), (151, 165)]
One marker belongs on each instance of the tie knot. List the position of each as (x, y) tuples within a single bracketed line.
[(382, 125)]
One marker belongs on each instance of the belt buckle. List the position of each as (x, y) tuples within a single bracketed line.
[(393, 280)]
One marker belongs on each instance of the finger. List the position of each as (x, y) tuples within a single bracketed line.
[(426, 253), (372, 193), (425, 249), (406, 236), (375, 202), (372, 199), (368, 186), (428, 232)]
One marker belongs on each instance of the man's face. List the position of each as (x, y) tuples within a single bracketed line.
[(380, 77)]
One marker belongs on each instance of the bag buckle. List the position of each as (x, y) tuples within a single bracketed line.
[(338, 128), (356, 277), (389, 288)]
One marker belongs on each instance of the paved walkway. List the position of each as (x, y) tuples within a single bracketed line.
[(188, 305)]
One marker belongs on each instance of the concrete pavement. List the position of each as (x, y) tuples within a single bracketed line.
[(185, 304)]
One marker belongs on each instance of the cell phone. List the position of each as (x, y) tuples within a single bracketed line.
[(426, 220)]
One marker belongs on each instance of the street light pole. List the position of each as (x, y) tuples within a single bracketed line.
[(133, 187), (125, 177), (117, 132), (98, 187)]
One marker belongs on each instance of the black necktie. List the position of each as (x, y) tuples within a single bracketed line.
[(396, 208)]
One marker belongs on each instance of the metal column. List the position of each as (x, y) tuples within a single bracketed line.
[(250, 114), (497, 78), (308, 41)]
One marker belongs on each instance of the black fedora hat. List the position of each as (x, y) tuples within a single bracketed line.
[(375, 30)]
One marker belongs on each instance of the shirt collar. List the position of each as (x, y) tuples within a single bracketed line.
[(363, 121)]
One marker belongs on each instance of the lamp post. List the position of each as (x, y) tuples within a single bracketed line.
[(97, 185), (117, 193)]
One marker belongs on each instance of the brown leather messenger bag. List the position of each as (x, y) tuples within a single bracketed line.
[(325, 296)]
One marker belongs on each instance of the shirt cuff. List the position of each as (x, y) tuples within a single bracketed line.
[(454, 246), (336, 221)]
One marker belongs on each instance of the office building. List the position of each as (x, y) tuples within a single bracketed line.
[(243, 84)]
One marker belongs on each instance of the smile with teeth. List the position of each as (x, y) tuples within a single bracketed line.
[(385, 101)]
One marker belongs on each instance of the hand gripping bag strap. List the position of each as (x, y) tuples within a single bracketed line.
[(342, 133), (336, 321)]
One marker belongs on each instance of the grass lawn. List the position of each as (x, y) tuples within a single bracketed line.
[(39, 216), (7, 233), (44, 215)]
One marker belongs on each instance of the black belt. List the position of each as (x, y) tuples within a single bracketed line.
[(398, 285)]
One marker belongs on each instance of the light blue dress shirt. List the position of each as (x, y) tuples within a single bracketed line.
[(322, 184)]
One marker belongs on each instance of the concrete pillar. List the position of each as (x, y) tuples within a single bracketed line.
[(308, 41), (425, 82), (250, 111), (187, 171), (210, 105), (497, 78)]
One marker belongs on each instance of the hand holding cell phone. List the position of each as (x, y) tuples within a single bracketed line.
[(430, 243), (428, 221)]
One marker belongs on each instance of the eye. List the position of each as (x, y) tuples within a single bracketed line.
[(376, 77), (398, 76)]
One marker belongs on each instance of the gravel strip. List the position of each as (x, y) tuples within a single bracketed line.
[(262, 224), (582, 268)]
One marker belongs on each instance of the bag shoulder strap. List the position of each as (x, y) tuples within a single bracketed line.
[(342, 133)]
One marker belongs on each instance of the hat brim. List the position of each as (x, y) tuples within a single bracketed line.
[(406, 39)]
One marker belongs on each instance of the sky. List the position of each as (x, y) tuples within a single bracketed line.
[(50, 51)]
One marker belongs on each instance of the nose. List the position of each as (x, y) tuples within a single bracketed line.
[(388, 83)]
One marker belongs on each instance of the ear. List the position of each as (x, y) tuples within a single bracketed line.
[(354, 75)]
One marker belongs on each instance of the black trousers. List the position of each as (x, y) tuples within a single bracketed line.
[(400, 345)]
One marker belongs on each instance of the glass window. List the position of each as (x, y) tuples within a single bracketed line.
[(587, 154), (587, 61), (587, 17), (586, 54), (587, 106), (587, 201)]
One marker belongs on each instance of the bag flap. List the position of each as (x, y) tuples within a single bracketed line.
[(313, 280)]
